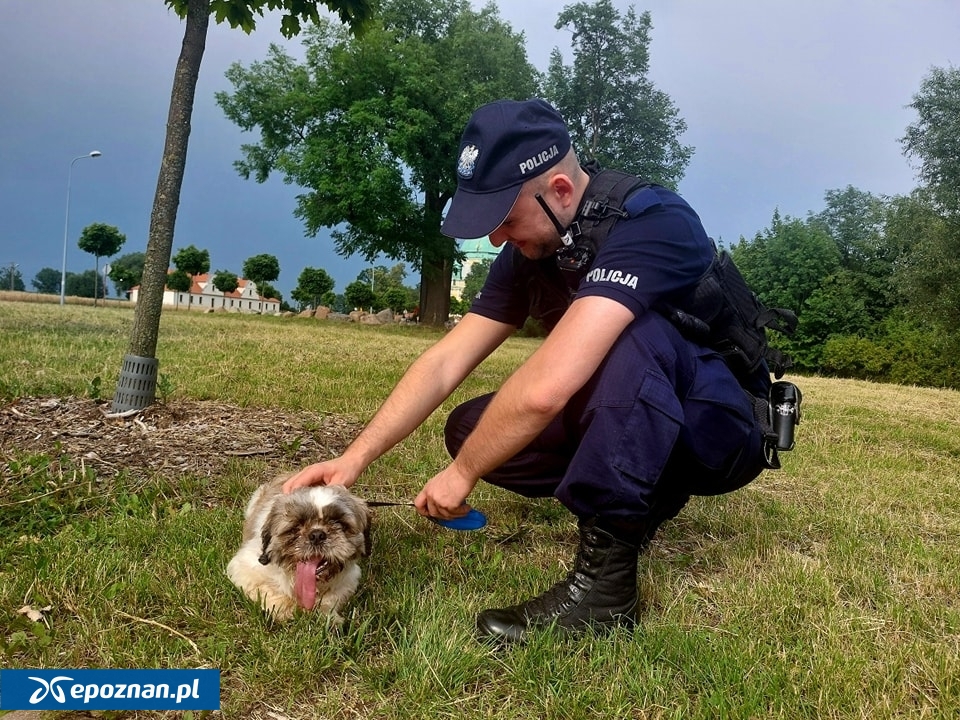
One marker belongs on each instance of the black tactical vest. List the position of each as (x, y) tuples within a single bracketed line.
[(719, 311)]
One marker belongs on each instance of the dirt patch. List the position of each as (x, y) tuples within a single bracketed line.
[(196, 437)]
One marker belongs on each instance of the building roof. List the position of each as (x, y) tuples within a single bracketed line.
[(205, 280), (479, 248)]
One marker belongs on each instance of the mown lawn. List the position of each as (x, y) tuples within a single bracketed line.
[(828, 589)]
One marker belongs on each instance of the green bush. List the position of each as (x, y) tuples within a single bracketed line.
[(852, 356), (901, 353)]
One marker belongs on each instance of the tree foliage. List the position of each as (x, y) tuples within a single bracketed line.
[(930, 275), (312, 285), (359, 295), (100, 240), (269, 291), (47, 281), (225, 281), (126, 272), (261, 269), (11, 279), (370, 126), (388, 289), (179, 282), (615, 113), (474, 280), (856, 222), (82, 284), (848, 272), (934, 139), (192, 260), (243, 13)]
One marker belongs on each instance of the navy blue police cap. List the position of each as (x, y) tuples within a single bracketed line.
[(506, 143)]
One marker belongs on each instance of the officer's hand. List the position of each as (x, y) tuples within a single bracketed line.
[(330, 472), (445, 494)]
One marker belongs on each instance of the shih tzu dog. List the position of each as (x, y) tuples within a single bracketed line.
[(300, 549)]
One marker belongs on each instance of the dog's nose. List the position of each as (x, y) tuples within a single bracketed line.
[(317, 536)]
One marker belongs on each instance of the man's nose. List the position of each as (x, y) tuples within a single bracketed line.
[(497, 238)]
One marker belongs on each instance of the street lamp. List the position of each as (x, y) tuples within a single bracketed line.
[(66, 226)]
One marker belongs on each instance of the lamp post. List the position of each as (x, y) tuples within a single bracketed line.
[(66, 226)]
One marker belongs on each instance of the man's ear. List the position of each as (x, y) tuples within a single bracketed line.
[(564, 189)]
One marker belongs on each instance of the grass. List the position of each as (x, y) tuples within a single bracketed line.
[(828, 589)]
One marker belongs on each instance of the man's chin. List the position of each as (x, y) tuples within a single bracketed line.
[(536, 252)]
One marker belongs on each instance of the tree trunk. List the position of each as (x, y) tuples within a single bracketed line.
[(435, 281), (436, 271), (146, 319), (139, 368)]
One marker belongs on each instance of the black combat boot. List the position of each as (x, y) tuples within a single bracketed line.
[(601, 590)]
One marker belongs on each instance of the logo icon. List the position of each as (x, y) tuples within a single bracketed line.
[(785, 409), (48, 688), (467, 162)]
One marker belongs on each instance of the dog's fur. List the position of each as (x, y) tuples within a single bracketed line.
[(300, 550)]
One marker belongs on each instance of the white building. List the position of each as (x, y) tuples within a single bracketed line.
[(203, 295)]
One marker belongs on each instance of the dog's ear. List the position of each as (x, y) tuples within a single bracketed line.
[(265, 538), (271, 522)]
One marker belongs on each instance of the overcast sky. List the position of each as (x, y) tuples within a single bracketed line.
[(783, 100)]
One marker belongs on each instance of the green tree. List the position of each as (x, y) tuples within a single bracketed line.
[(179, 282), (387, 286), (615, 113), (395, 298), (11, 279), (312, 285), (856, 220), (47, 281), (261, 269), (371, 126), (788, 265), (226, 282), (927, 274), (458, 306), (82, 284), (126, 272), (269, 291), (193, 261), (931, 274), (239, 13), (100, 240), (787, 262), (474, 281), (336, 302), (932, 141), (359, 295)]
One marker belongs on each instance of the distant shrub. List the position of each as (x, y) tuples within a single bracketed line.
[(901, 353)]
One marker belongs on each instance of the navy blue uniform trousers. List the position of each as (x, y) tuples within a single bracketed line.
[(662, 419)]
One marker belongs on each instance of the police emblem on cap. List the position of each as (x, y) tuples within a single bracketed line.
[(467, 161)]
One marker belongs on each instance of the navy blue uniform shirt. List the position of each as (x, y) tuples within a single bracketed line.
[(661, 250)]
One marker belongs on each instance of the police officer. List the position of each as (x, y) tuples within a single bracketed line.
[(616, 414)]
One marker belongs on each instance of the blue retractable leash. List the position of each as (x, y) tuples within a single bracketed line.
[(473, 520)]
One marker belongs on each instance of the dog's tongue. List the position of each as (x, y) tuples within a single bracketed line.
[(305, 585)]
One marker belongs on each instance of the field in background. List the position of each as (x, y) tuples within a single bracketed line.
[(828, 589)]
